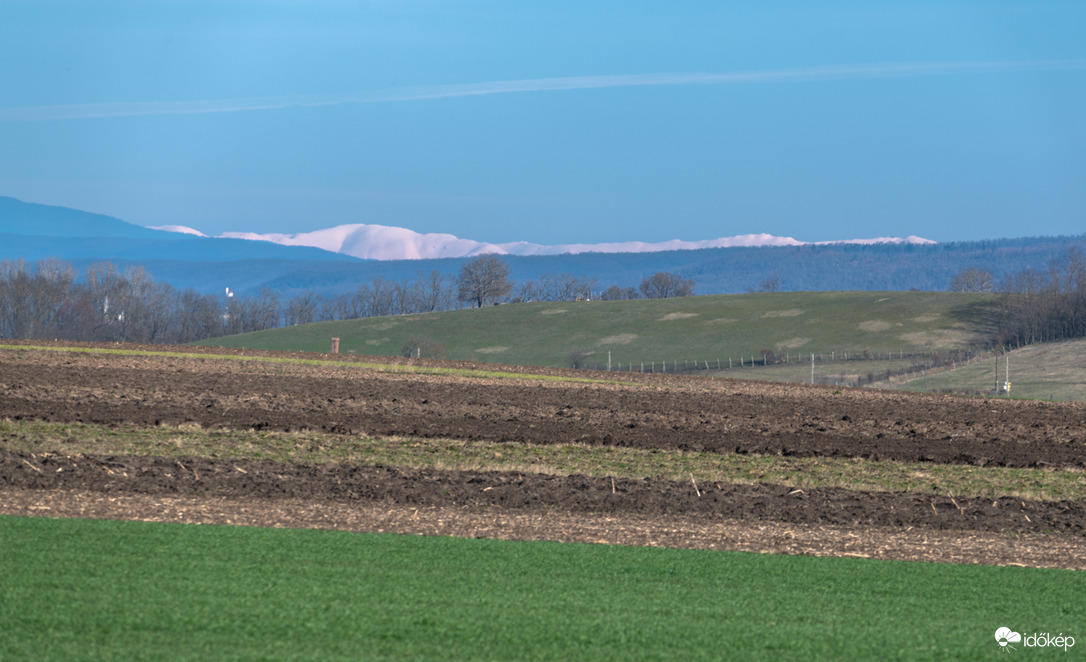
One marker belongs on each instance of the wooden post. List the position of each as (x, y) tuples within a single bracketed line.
[(335, 345)]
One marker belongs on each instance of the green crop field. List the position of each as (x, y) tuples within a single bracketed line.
[(655, 331), (81, 589)]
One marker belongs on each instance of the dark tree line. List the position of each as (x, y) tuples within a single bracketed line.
[(1044, 306), (46, 300)]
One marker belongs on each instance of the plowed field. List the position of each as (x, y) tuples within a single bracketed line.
[(340, 399)]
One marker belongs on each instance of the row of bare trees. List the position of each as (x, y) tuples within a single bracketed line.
[(46, 300), (485, 280), (1035, 305), (1044, 306)]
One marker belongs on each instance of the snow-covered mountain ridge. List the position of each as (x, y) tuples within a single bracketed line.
[(380, 242)]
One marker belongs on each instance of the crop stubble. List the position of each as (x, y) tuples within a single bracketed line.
[(654, 412)]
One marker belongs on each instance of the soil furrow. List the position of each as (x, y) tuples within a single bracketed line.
[(945, 431), (267, 479)]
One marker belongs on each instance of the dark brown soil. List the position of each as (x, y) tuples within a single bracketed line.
[(658, 412), (685, 413), (891, 543), (266, 479)]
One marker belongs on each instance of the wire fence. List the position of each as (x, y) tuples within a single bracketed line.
[(852, 369)]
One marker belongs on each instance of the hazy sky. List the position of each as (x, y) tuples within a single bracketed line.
[(553, 121)]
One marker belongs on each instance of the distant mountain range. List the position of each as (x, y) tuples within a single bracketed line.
[(381, 242), (340, 259), (32, 231)]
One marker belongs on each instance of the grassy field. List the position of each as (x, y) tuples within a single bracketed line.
[(1049, 371), (826, 370), (704, 334), (658, 330), (80, 589)]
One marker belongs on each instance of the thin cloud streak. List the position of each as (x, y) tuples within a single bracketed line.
[(433, 92)]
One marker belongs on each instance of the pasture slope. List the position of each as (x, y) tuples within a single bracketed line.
[(464, 449), (700, 328), (852, 336), (1045, 371)]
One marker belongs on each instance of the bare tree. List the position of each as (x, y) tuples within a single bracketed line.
[(433, 292), (556, 287), (51, 286), (770, 284), (616, 293), (1068, 271), (303, 308), (665, 285), (382, 298), (199, 316), (483, 280), (266, 311), (1037, 307), (15, 316), (972, 279)]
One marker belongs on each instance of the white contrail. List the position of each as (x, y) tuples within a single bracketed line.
[(426, 92)]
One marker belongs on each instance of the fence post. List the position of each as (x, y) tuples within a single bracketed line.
[(335, 345)]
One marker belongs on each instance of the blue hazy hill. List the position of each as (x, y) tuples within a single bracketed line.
[(33, 232), (30, 219)]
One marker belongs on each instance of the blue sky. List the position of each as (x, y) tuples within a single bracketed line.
[(553, 122)]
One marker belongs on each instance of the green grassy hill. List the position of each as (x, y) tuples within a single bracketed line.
[(701, 328)]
